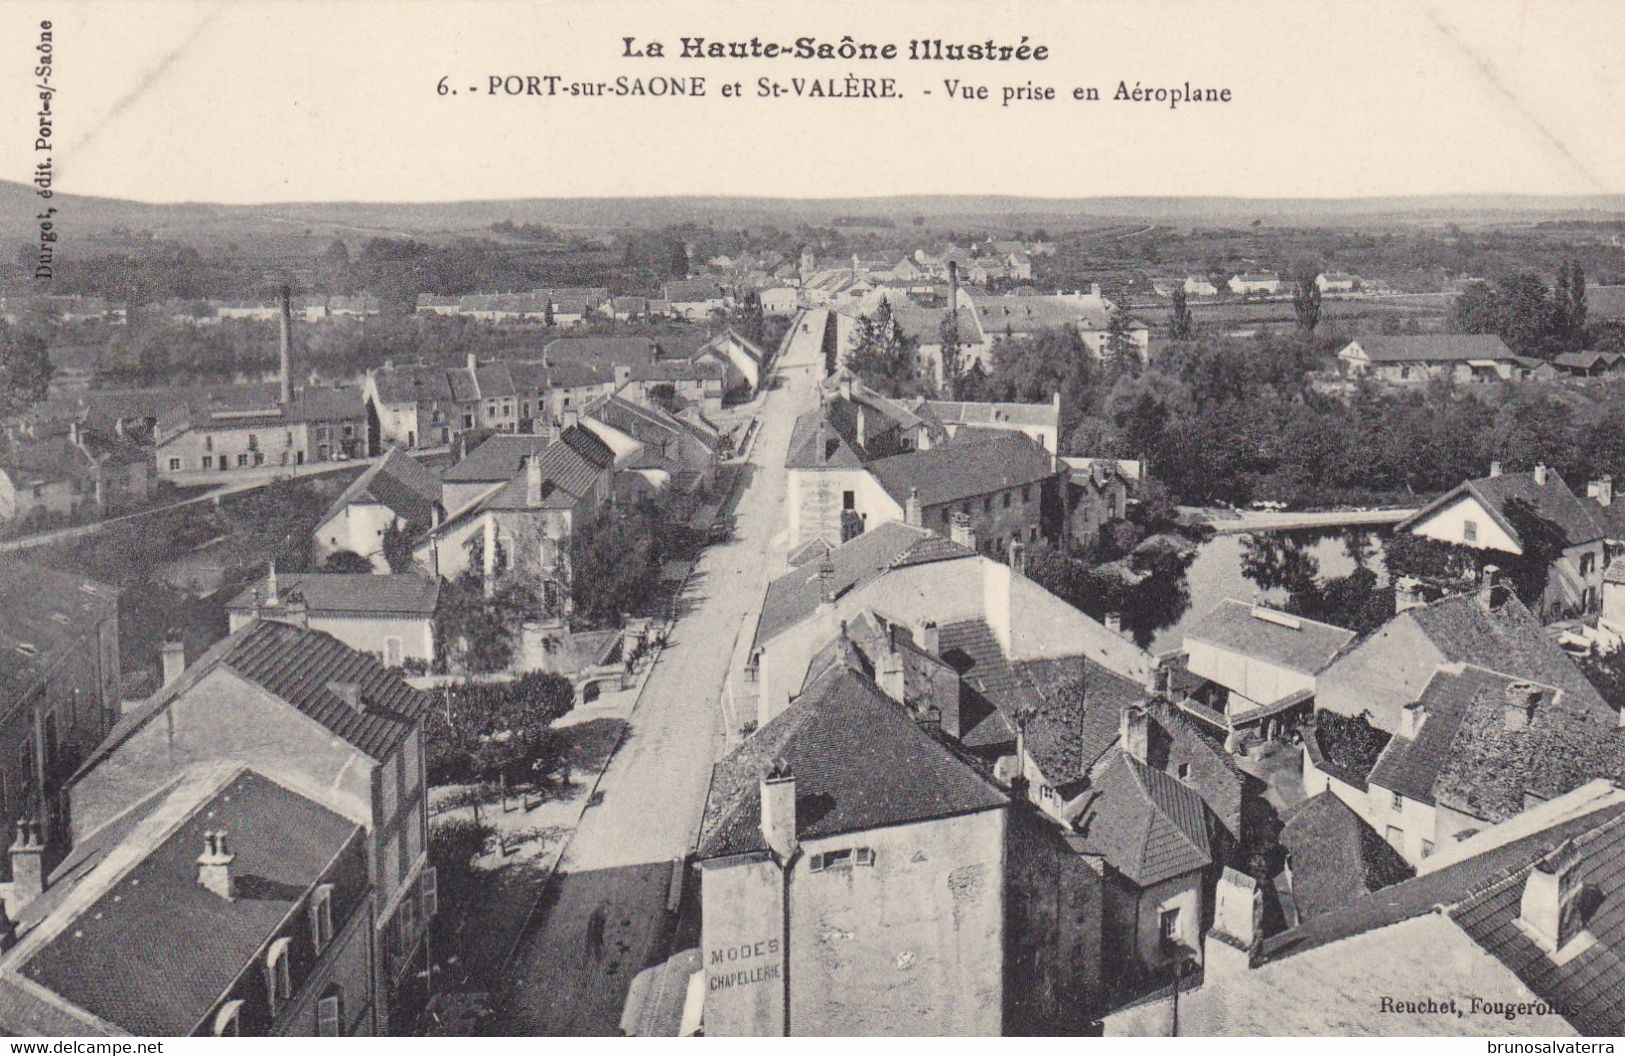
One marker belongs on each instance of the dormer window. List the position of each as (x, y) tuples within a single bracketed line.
[(321, 917), (228, 1021), (278, 975)]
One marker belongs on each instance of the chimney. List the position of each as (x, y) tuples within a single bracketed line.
[(554, 432), (889, 673), (911, 510), (1602, 490), (571, 418), (272, 598), (473, 362), (1540, 474), (1094, 290), (27, 862), (350, 694), (1018, 556), (1489, 586), (214, 865), (1232, 943), (1495, 469), (533, 481), (826, 583), (1114, 622), (173, 655), (1550, 912), (623, 374), (931, 718), (779, 809), (953, 285), (1407, 594), (960, 530), (822, 441), (1519, 706), (846, 386), (285, 349), (1134, 732), (1411, 718), (926, 636)]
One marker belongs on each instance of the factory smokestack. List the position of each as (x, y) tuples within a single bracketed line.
[(284, 349)]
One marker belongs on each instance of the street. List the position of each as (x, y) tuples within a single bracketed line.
[(605, 917)]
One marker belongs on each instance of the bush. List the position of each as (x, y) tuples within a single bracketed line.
[(498, 731)]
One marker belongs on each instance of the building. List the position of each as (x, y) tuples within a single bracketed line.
[(1097, 491), (1332, 858), (1336, 282), (246, 904), (1380, 675), (1041, 422), (671, 451), (912, 576), (1511, 937), (1416, 358), (1530, 521), (695, 298), (390, 617), (63, 473), (1255, 668), (320, 719), (742, 359), (1261, 282), (842, 815), (1200, 286), (59, 686), (395, 492), (783, 301), (699, 384), (1589, 364)]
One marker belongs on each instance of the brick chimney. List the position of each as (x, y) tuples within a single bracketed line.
[(1018, 556), (1411, 718), (214, 865), (272, 597), (533, 480), (1602, 490), (1114, 622), (912, 514), (285, 349), (27, 862), (889, 673), (927, 637), (1541, 474), (779, 809), (1490, 588), (1408, 594), (1550, 912), (173, 656), (826, 583), (960, 530), (1232, 943), (1518, 707), (1134, 732), (1495, 469)]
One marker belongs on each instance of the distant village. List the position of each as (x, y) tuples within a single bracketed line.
[(824, 644)]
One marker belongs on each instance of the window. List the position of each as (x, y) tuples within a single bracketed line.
[(259, 458), (845, 858), (1469, 531), (1007, 500), (330, 1013), (208, 461), (1395, 835), (392, 652), (430, 892), (242, 461), (849, 500), (1399, 803), (1026, 493), (278, 980), (283, 458), (208, 443), (407, 921), (1427, 848), (174, 464), (1184, 771), (987, 504), (287, 439), (228, 1021), (321, 917), (1168, 925)]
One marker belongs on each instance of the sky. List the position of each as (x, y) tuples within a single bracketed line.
[(297, 100)]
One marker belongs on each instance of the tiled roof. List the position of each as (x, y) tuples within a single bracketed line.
[(1293, 642), (155, 950), (840, 450), (586, 443), (1506, 639), (860, 762), (43, 614), (1423, 894), (795, 595), (297, 665), (1519, 504), (956, 472), (500, 457), (613, 351), (999, 414), (641, 423), (1146, 824), (320, 403), (1589, 986), (1411, 766), (405, 594), (680, 370), (397, 481), (1412, 348), (689, 291), (1335, 856)]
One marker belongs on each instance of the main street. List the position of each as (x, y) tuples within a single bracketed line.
[(605, 917)]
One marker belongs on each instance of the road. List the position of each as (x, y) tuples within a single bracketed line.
[(604, 918)]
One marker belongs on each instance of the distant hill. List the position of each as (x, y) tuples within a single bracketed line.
[(89, 217)]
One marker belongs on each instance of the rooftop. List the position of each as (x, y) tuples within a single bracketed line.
[(398, 482), (1335, 856), (407, 594), (43, 614), (1529, 511), (961, 471), (1414, 348), (1293, 642)]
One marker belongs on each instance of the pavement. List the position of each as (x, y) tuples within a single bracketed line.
[(604, 917)]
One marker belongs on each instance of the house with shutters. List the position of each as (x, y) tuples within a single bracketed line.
[(1529, 521), (388, 616), (330, 725), (277, 881)]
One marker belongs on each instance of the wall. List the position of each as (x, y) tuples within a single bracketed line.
[(1180, 892), (912, 945), (1415, 820), (1260, 681), (284, 443), (816, 497), (995, 523), (1381, 675), (1055, 911), (367, 634), (742, 946), (1448, 525), (359, 528), (226, 718)]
